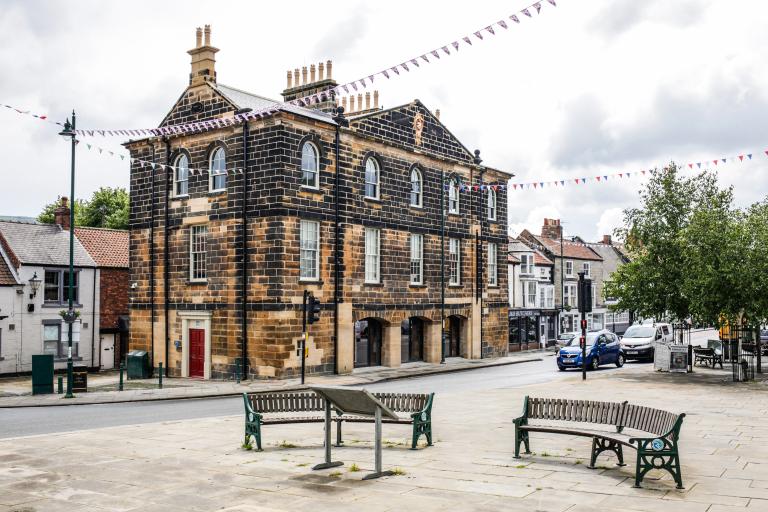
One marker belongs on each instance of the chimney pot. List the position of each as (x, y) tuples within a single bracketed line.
[(198, 37), (344, 102), (207, 35), (296, 77), (320, 71), (312, 74), (352, 103), (368, 100), (360, 101), (290, 80), (437, 114), (375, 99), (304, 75), (329, 67)]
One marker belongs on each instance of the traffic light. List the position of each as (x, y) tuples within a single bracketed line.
[(313, 309), (585, 296)]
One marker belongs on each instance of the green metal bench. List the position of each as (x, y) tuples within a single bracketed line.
[(655, 432), (281, 408)]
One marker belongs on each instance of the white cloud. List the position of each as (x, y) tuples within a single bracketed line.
[(611, 219)]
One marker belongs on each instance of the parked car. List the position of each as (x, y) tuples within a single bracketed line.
[(564, 338), (603, 347), (638, 340)]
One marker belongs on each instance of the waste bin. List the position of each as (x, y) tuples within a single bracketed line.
[(42, 374), (138, 364)]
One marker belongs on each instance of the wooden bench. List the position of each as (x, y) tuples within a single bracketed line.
[(655, 432), (281, 408), (707, 356)]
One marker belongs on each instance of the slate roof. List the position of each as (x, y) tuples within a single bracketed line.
[(570, 249), (107, 247), (243, 99), (520, 246), (42, 244)]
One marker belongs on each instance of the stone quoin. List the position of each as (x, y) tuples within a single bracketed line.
[(279, 188)]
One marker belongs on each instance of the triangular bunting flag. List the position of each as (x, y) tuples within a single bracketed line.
[(467, 40), (455, 45), (741, 158), (515, 18), (698, 164), (435, 54), (537, 5), (714, 162), (749, 155), (478, 35), (426, 59), (525, 11), (489, 28), (445, 49), (502, 23), (552, 2)]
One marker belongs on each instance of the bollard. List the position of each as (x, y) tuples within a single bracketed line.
[(120, 385), (60, 389), (160, 375)]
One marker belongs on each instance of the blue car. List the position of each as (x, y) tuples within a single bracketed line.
[(603, 347)]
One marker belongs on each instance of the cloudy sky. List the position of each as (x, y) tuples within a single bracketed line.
[(584, 89)]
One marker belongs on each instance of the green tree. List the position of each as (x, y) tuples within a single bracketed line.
[(107, 208)]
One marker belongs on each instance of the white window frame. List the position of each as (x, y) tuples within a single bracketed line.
[(527, 265), (569, 268), (491, 204), (570, 296), (376, 184), (594, 295), (214, 170), (454, 262), (454, 197), (177, 178), (417, 259), (195, 252), (316, 171), (530, 293), (305, 227), (417, 179), (493, 268), (550, 297), (587, 268), (372, 255)]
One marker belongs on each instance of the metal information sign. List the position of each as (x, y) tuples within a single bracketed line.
[(358, 402)]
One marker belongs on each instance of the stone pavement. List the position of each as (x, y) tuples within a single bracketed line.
[(199, 465), (16, 392)]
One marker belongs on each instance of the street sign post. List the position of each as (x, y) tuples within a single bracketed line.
[(360, 403)]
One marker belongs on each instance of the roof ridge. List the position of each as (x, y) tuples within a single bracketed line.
[(102, 229), (248, 92)]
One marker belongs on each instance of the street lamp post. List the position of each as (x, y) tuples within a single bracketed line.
[(69, 318)]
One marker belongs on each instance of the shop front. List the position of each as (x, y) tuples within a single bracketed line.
[(531, 329)]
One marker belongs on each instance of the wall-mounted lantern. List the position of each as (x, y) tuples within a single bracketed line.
[(34, 285)]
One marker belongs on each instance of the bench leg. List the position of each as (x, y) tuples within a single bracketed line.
[(600, 445), (339, 441), (521, 437), (420, 429), (649, 461)]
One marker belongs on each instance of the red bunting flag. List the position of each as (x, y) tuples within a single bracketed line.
[(690, 166), (598, 178), (741, 158), (714, 162)]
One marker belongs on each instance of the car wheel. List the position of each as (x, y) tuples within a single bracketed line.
[(561, 368), (620, 361), (595, 364)]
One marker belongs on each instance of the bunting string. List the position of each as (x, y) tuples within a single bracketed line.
[(390, 72)]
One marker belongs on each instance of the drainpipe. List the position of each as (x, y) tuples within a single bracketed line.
[(166, 258), (442, 266), (242, 369), (340, 121), (152, 265), (93, 321), (480, 267)]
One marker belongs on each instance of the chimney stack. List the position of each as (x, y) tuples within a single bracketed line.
[(312, 74), (203, 58), (321, 71), (290, 80), (314, 81), (304, 75), (328, 67), (352, 103), (360, 101), (552, 229), (368, 100), (344, 103), (607, 239), (437, 114), (61, 214), (375, 99)]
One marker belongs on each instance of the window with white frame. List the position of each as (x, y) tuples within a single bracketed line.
[(569, 268), (594, 295), (587, 268), (181, 176), (218, 170), (549, 299), (417, 260), (56, 288), (454, 261), (493, 278), (310, 166), (491, 204), (198, 270), (530, 289), (526, 265), (542, 273), (453, 196), (542, 296), (416, 188), (372, 255), (309, 259), (569, 296), (372, 175), (56, 344)]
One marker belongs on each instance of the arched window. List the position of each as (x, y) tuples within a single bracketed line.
[(453, 196), (181, 176), (218, 170), (491, 204), (372, 178), (310, 166), (416, 187)]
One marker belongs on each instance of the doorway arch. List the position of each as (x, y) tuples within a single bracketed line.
[(412, 335), (369, 333), (455, 336)]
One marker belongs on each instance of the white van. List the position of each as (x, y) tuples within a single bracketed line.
[(638, 340)]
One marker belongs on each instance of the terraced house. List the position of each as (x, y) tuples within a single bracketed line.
[(346, 205)]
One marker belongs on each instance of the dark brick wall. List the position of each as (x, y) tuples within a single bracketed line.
[(113, 296)]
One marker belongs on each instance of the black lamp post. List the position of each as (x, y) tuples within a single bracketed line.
[(69, 316)]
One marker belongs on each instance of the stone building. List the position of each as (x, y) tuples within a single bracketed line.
[(347, 205)]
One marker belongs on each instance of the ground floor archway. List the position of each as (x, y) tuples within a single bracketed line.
[(368, 342), (412, 335)]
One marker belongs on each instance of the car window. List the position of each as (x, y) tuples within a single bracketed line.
[(665, 329), (658, 333), (611, 337), (639, 331)]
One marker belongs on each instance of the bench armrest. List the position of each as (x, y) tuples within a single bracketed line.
[(427, 410), (522, 420), (669, 438), (249, 410)]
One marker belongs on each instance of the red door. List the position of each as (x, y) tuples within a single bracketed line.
[(197, 353)]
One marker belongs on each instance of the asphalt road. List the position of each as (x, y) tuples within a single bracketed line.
[(46, 420)]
